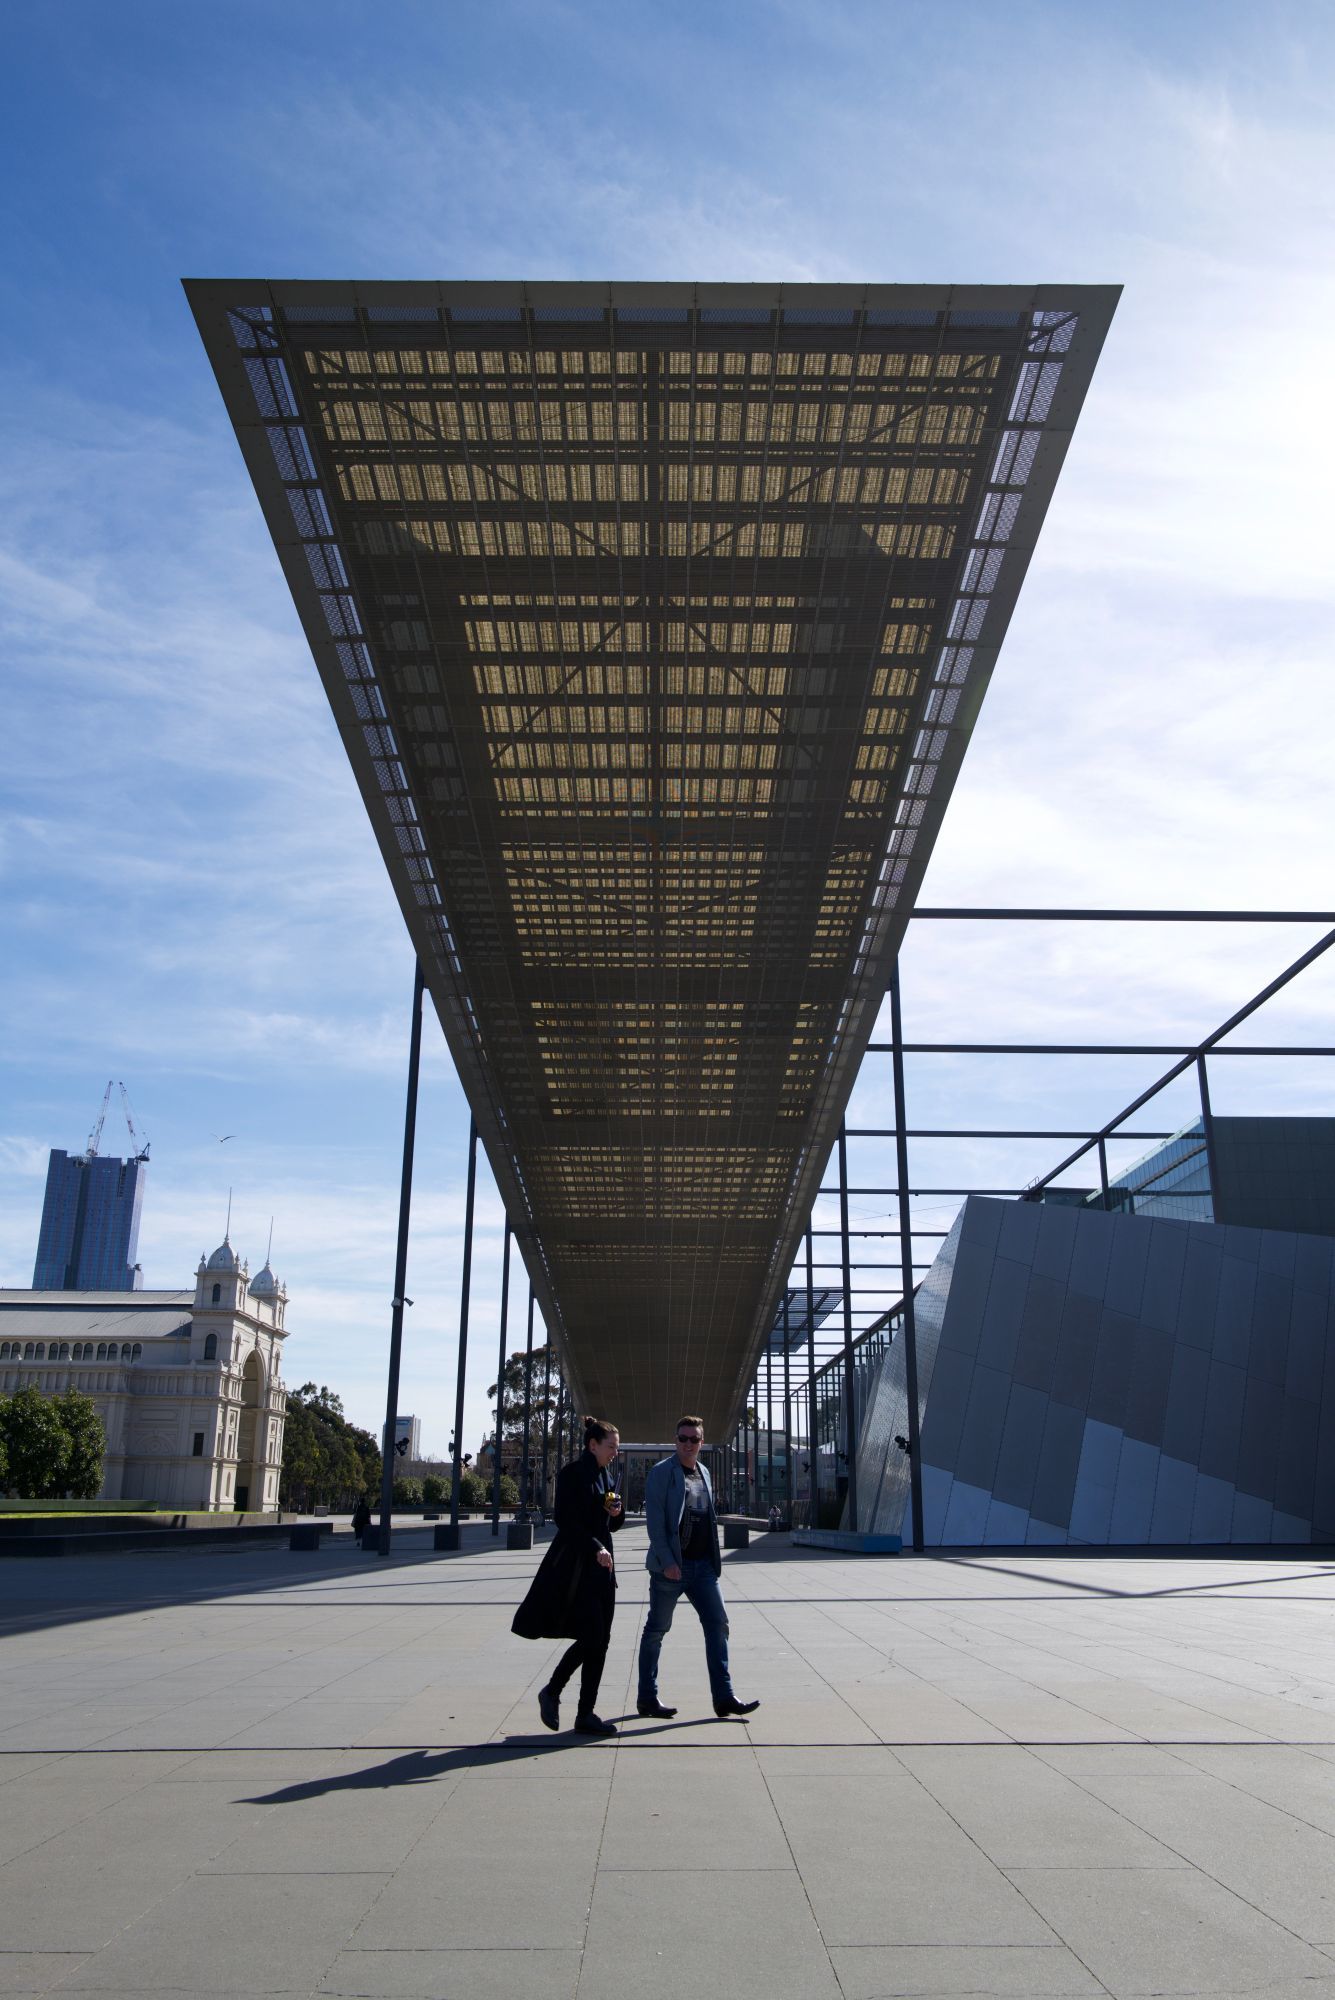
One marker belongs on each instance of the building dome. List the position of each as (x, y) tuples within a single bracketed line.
[(224, 1258), (264, 1285)]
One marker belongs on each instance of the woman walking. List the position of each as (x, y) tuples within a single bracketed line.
[(573, 1595)]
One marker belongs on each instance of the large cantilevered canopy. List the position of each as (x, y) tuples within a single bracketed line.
[(655, 619)]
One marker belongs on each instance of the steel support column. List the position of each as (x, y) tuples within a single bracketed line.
[(546, 1414), (811, 1379), (906, 1261), (526, 1477), (769, 1426), (401, 1264), (850, 1404), (465, 1287), (1207, 1127), (787, 1419), (500, 1387)]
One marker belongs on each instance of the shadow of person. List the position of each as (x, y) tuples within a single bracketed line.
[(417, 1767)]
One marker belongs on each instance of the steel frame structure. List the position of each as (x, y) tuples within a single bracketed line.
[(655, 620), (834, 1388)]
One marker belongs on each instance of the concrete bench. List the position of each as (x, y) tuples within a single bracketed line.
[(308, 1534)]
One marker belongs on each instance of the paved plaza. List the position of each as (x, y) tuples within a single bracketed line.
[(276, 1773)]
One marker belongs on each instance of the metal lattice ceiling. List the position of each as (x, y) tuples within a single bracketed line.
[(655, 619)]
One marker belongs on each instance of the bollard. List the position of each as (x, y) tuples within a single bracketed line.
[(736, 1535), (447, 1536), (519, 1535)]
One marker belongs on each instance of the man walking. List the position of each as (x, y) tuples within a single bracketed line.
[(684, 1561)]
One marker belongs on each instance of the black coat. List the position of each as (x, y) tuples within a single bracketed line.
[(573, 1596)]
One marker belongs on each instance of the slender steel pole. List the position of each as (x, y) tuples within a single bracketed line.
[(906, 1262), (465, 1288), (769, 1424), (1103, 1172), (527, 1475), (401, 1265), (546, 1413), (1207, 1127), (850, 1407), (500, 1387), (811, 1380), (787, 1416)]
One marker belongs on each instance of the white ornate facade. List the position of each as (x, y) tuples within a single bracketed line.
[(188, 1385)]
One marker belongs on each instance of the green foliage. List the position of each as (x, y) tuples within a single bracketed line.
[(52, 1446), (435, 1490), (88, 1444), (474, 1492), (327, 1462), (542, 1407), (408, 1493), (509, 1491)]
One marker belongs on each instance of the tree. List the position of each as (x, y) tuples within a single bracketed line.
[(407, 1492), (542, 1414), (327, 1462), (435, 1490), (37, 1445), (87, 1442)]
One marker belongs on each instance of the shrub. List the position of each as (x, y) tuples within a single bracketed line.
[(407, 1492), (435, 1490)]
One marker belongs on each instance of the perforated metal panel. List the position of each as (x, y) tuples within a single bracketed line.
[(655, 619)]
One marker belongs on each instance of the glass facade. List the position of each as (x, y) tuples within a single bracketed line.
[(89, 1238)]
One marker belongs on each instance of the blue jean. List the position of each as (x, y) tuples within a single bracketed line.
[(700, 1586)]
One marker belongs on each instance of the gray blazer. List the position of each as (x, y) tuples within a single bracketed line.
[(664, 1505)]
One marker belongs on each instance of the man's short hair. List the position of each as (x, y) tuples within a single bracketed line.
[(699, 1422)]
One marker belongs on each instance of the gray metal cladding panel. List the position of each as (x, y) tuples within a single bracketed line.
[(1184, 1416), (1040, 1332), (1222, 1428), (1147, 1391), (1058, 1463), (1126, 1268), (1272, 1310), (1020, 1226), (1078, 1342), (1161, 1298), (1003, 1313), (1112, 1367), (1021, 1442), (1199, 1300), (1296, 1472), (980, 1439), (1233, 1320), (1258, 1446), (1057, 1413), (1055, 1242)]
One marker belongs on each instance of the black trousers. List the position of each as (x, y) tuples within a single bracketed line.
[(587, 1655)]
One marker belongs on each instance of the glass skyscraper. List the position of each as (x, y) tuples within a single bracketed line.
[(89, 1238)]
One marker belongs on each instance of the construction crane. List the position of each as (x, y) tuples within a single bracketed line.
[(95, 1136)]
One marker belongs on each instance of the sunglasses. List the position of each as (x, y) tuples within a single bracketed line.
[(690, 1437)]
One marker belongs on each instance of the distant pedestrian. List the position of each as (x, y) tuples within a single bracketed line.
[(361, 1516), (684, 1561), (775, 1518), (573, 1595)]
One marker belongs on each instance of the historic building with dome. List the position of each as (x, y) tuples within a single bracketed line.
[(188, 1384)]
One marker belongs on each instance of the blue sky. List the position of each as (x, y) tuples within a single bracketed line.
[(190, 898)]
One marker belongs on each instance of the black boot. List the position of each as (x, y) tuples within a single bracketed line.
[(589, 1724), (549, 1707), (734, 1707), (655, 1708)]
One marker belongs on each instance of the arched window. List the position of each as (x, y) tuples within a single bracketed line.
[(27, 1350), (4, 1350), (101, 1350), (217, 1293), (211, 1347), (41, 1350), (64, 1354), (111, 1351), (136, 1350)]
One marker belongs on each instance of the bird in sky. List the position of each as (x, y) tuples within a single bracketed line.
[(223, 1137)]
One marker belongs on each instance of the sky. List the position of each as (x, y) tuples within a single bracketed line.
[(190, 896)]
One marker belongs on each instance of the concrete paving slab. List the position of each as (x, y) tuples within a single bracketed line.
[(234, 1934), (1167, 1931), (1009, 1775), (471, 1975), (1027, 1972), (762, 1938)]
